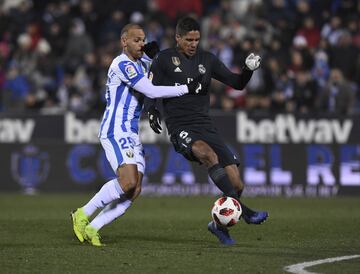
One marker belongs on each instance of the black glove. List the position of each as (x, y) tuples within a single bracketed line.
[(151, 49), (196, 86), (155, 120)]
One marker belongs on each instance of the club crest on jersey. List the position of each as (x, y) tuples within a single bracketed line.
[(202, 69), (175, 60), (130, 154), (130, 71)]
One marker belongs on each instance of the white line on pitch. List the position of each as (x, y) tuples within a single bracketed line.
[(299, 268)]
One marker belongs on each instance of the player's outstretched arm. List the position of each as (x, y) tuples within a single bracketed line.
[(145, 87), (237, 81)]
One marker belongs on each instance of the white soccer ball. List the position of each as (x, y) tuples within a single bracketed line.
[(226, 211)]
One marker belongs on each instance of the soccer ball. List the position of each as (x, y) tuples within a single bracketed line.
[(226, 211)]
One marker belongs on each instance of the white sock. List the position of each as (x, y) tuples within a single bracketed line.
[(108, 193), (110, 213)]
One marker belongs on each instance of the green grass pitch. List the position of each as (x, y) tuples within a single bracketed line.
[(169, 235)]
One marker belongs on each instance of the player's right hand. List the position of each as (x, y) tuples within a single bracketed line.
[(155, 120), (151, 49), (196, 86), (252, 62)]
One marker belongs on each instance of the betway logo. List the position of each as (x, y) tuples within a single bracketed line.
[(286, 129), (77, 131), (16, 130)]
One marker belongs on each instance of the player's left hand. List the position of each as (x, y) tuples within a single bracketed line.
[(155, 120), (252, 62), (151, 49)]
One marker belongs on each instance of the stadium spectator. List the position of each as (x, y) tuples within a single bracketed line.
[(281, 95), (89, 17), (112, 27), (78, 45), (16, 88), (344, 55), (229, 28), (310, 32), (321, 70), (332, 30), (353, 27), (303, 93), (174, 9), (338, 96)]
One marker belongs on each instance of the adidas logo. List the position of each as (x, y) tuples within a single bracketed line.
[(177, 69)]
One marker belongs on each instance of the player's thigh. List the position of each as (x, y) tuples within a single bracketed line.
[(119, 151), (139, 156), (127, 175), (225, 156), (183, 139), (139, 153)]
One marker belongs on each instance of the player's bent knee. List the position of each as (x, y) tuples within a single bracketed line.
[(209, 158), (136, 193), (128, 185), (128, 178), (212, 157), (204, 153)]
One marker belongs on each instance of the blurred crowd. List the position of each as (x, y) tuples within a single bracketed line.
[(54, 55)]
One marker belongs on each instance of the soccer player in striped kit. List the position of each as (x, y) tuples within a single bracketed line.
[(126, 87)]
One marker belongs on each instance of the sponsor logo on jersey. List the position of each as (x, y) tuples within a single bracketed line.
[(130, 71), (175, 60), (202, 69), (177, 69)]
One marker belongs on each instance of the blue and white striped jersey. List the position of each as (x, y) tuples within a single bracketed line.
[(125, 89), (123, 103)]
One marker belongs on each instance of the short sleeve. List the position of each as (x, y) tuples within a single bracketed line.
[(129, 72)]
